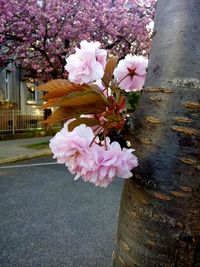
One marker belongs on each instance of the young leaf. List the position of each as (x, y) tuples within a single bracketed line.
[(60, 87), (87, 121), (51, 102), (94, 87), (83, 98), (61, 114), (66, 113), (109, 69), (54, 85)]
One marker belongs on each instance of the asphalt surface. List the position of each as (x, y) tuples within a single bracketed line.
[(48, 219)]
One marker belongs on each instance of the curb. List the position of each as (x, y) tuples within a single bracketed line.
[(44, 152)]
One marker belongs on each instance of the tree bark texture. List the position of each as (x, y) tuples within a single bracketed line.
[(159, 216)]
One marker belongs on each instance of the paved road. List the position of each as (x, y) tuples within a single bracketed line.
[(47, 219)]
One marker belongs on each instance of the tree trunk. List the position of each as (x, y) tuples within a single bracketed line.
[(159, 217)]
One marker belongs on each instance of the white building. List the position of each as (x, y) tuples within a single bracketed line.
[(17, 90)]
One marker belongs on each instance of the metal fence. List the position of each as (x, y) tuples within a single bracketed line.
[(12, 121)]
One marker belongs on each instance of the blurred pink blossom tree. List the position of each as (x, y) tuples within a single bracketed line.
[(40, 34)]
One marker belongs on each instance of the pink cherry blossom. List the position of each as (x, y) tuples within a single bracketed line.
[(87, 64), (92, 161), (58, 145), (131, 73), (73, 148), (111, 163)]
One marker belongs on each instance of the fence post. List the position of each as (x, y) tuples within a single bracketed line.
[(13, 121)]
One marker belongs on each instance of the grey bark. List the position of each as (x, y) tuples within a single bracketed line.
[(160, 206), (175, 52)]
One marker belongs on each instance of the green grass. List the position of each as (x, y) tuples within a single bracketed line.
[(28, 134), (38, 146)]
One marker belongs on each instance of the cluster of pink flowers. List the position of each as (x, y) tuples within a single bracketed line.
[(87, 64), (87, 158), (99, 162)]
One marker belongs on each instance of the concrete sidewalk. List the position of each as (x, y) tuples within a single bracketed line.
[(15, 150)]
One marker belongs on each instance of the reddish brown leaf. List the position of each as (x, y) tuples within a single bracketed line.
[(54, 85), (50, 103), (83, 98), (61, 87), (94, 87), (54, 94), (109, 69), (66, 113), (87, 121), (61, 114)]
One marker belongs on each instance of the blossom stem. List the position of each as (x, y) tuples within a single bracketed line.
[(106, 89), (105, 142), (99, 130)]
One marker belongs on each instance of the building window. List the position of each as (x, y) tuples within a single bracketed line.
[(31, 93), (8, 85)]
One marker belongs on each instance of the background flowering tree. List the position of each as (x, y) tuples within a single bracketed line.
[(39, 34)]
